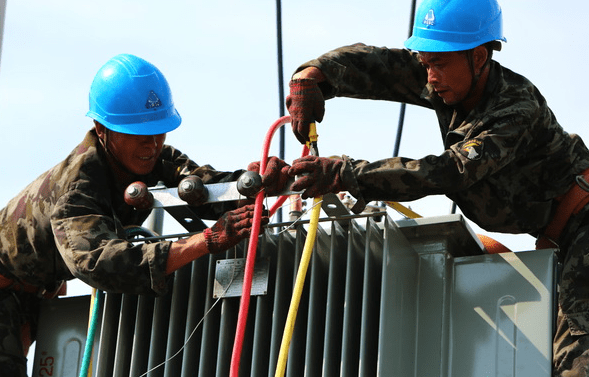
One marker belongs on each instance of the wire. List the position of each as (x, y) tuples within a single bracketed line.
[(85, 369), (251, 256), (195, 327), (252, 247), (299, 219), (303, 266), (298, 289)]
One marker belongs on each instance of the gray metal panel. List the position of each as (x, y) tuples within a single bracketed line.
[(507, 301), (285, 259), (478, 315), (60, 344), (450, 233), (177, 322), (317, 281), (159, 335), (210, 328), (296, 355), (261, 337), (141, 335), (126, 329), (335, 300), (379, 299), (225, 335), (399, 309), (353, 299), (108, 335), (371, 287), (431, 300), (195, 311)]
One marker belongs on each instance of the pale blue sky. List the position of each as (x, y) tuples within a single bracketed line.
[(220, 58)]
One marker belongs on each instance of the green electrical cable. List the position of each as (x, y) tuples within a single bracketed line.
[(92, 324)]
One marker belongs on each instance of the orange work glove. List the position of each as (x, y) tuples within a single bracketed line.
[(306, 105), (231, 228), (319, 175), (275, 176)]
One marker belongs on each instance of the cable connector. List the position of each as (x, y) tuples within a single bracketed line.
[(312, 143)]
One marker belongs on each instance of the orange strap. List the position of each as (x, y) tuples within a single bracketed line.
[(570, 204), (9, 283), (5, 282), (492, 246)]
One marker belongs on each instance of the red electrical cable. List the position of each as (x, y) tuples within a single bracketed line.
[(251, 255), (283, 198)]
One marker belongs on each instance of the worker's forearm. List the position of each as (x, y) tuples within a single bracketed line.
[(185, 251), (310, 73)]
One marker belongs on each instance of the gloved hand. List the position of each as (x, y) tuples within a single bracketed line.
[(306, 104), (231, 228), (323, 175), (275, 176)]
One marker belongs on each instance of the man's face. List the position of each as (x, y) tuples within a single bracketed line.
[(449, 73), (137, 153)]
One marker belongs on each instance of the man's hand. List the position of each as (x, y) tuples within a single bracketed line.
[(230, 229), (320, 175), (275, 176), (306, 105)]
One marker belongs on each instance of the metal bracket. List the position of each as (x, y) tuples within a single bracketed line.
[(218, 192)]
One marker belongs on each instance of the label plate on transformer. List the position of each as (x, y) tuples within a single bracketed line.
[(229, 275)]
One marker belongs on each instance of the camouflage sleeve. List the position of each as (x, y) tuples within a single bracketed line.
[(91, 241), (494, 142), (177, 166), (369, 72)]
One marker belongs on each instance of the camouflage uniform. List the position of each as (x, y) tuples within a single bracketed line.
[(69, 223), (505, 162)]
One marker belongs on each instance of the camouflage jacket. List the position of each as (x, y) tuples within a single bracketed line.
[(70, 223), (504, 162)]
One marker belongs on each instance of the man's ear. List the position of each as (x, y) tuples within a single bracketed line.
[(100, 130), (479, 57)]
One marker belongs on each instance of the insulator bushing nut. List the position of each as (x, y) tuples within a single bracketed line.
[(193, 191), (138, 196), (249, 184)]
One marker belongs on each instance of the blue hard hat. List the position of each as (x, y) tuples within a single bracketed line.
[(131, 96), (455, 25)]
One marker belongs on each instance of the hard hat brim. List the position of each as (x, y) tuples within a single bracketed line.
[(152, 127), (428, 45)]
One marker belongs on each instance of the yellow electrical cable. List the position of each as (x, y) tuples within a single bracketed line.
[(306, 257), (303, 266), (298, 288), (403, 210)]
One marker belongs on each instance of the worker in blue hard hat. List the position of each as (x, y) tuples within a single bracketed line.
[(70, 222), (507, 163)]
